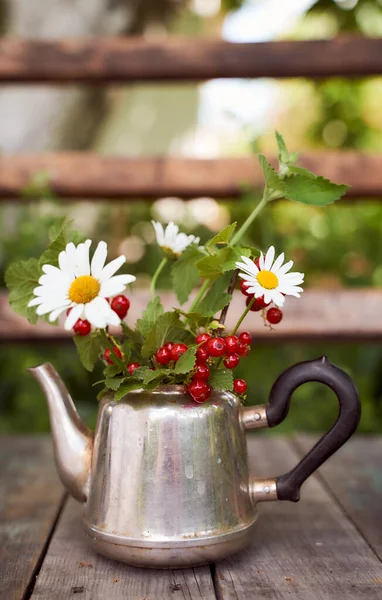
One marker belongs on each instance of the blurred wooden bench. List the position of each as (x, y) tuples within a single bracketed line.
[(334, 315)]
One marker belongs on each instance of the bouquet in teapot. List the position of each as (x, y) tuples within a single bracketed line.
[(188, 345)]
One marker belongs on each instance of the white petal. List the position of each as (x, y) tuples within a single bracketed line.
[(261, 261), (48, 306), (73, 316), (268, 296), (284, 269), (99, 259), (94, 314), (278, 298), (278, 262), (159, 232), (56, 313), (115, 285), (83, 263), (270, 255), (111, 268), (36, 301), (71, 257)]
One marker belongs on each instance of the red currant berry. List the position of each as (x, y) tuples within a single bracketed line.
[(177, 350), (216, 346), (163, 356), (240, 386), (107, 355), (231, 344), (202, 337), (231, 361), (274, 316), (202, 354), (169, 346), (202, 372), (132, 366), (258, 304), (82, 327), (245, 337), (199, 390), (120, 304), (244, 287), (243, 349)]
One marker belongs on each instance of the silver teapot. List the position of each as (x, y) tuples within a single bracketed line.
[(164, 481)]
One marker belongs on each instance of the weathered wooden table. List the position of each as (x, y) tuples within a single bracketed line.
[(329, 546)]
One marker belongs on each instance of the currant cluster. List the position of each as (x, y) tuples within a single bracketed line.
[(230, 348), (120, 304), (272, 315)]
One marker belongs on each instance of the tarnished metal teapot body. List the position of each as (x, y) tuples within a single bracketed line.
[(165, 481), (169, 479)]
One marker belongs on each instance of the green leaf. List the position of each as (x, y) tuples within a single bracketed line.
[(60, 235), (184, 273), (89, 348), (283, 153), (141, 372), (153, 310), (272, 179), (154, 375), (114, 383), (194, 319), (216, 297), (302, 171), (223, 237), (111, 370), (130, 386), (21, 278), (221, 379), (134, 337), (187, 361), (168, 328), (316, 192), (211, 267)]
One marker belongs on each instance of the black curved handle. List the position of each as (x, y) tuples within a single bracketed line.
[(321, 370)]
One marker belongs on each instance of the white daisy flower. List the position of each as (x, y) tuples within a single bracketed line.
[(272, 279), (81, 285), (170, 240)]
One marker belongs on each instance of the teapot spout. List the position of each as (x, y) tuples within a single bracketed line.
[(72, 440)]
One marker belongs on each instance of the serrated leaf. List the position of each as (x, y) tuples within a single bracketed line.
[(130, 386), (168, 328), (21, 278), (184, 274), (195, 320), (141, 372), (60, 235), (302, 171), (111, 370), (134, 336), (315, 192), (216, 298), (223, 237), (221, 379), (272, 179), (186, 362), (89, 348), (283, 153), (236, 255), (154, 375), (114, 383), (153, 310)]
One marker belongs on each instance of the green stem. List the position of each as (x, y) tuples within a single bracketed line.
[(156, 275), (234, 330), (116, 359), (199, 295), (239, 234)]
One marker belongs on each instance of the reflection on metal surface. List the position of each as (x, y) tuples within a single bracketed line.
[(254, 417), (263, 490)]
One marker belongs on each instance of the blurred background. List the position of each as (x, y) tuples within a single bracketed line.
[(339, 246)]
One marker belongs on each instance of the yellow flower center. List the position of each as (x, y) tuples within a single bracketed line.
[(267, 280), (84, 289)]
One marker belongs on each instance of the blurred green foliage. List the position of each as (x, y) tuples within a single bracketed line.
[(339, 245)]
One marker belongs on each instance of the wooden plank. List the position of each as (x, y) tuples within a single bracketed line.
[(85, 175), (305, 551), (139, 59), (30, 499), (71, 567), (331, 315), (354, 477)]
